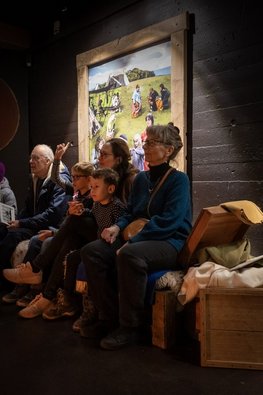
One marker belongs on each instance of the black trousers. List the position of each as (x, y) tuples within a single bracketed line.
[(73, 234), (118, 283), (100, 265), (9, 241)]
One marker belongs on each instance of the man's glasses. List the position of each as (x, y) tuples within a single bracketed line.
[(77, 177), (151, 143), (104, 154), (35, 158)]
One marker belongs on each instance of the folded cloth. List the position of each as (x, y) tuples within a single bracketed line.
[(247, 211), (228, 255)]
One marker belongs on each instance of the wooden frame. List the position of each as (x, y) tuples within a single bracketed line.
[(175, 29)]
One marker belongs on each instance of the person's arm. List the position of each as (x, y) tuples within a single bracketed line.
[(170, 211), (56, 168), (57, 178)]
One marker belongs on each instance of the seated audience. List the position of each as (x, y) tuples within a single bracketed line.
[(78, 229), (45, 204), (117, 284)]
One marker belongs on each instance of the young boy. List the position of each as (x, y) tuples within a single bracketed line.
[(107, 208)]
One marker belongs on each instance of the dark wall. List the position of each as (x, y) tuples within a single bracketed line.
[(225, 110), (14, 71)]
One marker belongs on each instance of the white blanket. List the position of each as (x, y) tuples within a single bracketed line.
[(210, 274)]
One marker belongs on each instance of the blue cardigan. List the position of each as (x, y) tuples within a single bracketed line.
[(170, 209)]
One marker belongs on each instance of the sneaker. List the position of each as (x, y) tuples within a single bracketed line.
[(36, 307), (14, 295), (26, 299), (62, 308), (23, 274), (121, 337)]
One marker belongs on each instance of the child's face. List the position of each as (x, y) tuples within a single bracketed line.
[(101, 192), (80, 182)]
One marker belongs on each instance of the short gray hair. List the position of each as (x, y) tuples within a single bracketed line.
[(47, 151)]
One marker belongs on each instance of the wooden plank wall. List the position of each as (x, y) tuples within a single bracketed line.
[(225, 108)]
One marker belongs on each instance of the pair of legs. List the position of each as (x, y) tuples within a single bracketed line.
[(9, 240), (118, 283), (74, 233)]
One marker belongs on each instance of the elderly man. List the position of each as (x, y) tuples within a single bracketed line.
[(45, 204)]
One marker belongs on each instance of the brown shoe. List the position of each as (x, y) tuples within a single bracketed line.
[(36, 307), (63, 307)]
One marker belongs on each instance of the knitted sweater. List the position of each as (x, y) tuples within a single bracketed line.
[(170, 209)]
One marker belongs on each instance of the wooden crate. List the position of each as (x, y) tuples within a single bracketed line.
[(231, 332), (164, 319)]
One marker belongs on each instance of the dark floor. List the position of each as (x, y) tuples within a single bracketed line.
[(41, 358)]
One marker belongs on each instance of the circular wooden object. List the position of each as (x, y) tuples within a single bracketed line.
[(9, 115)]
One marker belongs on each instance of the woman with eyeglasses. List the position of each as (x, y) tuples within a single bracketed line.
[(78, 228), (117, 279)]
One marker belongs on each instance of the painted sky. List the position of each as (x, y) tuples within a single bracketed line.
[(153, 58)]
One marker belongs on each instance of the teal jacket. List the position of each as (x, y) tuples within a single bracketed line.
[(170, 210)]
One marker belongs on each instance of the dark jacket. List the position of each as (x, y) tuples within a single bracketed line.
[(50, 206)]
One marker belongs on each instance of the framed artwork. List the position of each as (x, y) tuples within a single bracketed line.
[(124, 84)]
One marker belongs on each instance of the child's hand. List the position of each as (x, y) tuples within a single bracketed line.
[(110, 234), (44, 234), (75, 208)]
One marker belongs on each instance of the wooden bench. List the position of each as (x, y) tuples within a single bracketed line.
[(214, 226)]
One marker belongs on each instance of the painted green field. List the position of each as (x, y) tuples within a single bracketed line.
[(124, 123)]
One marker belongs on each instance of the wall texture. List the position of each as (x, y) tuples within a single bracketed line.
[(225, 107)]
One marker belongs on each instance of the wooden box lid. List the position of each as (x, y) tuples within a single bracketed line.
[(214, 226)]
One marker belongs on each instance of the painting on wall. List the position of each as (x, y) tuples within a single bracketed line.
[(125, 92), (131, 82)]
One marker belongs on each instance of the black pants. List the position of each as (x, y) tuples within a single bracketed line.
[(120, 289), (73, 234), (72, 262), (9, 242), (9, 239), (100, 265)]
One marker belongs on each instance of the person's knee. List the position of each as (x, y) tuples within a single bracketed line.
[(85, 252), (73, 258)]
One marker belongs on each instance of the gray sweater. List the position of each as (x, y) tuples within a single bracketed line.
[(7, 196)]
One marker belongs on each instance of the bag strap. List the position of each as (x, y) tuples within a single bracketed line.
[(156, 189)]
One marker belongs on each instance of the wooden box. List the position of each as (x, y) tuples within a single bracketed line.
[(231, 332), (164, 319)]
